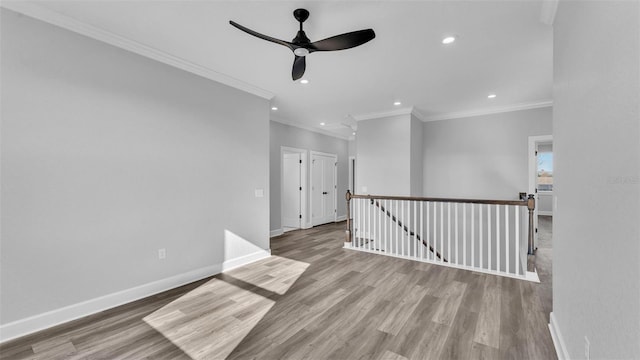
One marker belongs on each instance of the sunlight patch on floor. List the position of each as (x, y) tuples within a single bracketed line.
[(232, 304), (275, 274), (225, 323)]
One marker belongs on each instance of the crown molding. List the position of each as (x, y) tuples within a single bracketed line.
[(383, 114), (309, 128), (40, 13), (489, 111)]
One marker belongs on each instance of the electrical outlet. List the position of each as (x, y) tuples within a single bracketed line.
[(587, 349), (162, 253)]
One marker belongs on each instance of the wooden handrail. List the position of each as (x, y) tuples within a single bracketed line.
[(467, 201)]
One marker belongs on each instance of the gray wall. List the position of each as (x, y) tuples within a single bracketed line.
[(482, 156), (383, 160), (417, 157), (290, 136), (107, 157), (596, 130)]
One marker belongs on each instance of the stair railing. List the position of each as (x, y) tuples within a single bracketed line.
[(479, 235)]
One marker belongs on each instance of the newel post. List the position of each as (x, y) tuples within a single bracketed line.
[(348, 232), (531, 205)]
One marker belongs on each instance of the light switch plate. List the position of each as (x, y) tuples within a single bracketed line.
[(259, 193)]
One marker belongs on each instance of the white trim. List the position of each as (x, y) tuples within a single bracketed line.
[(528, 276), (308, 128), (43, 14), (383, 114), (276, 232), (303, 181), (65, 314), (545, 213), (246, 259), (548, 11), (532, 276), (341, 218), (556, 336), (489, 111)]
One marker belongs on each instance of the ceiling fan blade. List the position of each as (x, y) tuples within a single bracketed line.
[(299, 65), (343, 41), (261, 36)]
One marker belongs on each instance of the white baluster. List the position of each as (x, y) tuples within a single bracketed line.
[(415, 229), (473, 238), (464, 234), (480, 240), (506, 238), (380, 225), (449, 232), (397, 227), (517, 247), (456, 232), (498, 238), (422, 234), (488, 237), (428, 230), (435, 228), (401, 225), (441, 231)]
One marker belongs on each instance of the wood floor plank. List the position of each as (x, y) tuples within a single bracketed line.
[(488, 325)]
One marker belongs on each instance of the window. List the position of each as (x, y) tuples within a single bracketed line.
[(545, 171)]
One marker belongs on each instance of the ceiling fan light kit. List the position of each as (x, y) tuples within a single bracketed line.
[(302, 46)]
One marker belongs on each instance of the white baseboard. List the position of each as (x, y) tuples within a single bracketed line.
[(341, 218), (276, 232), (244, 260), (545, 213), (556, 336), (51, 318)]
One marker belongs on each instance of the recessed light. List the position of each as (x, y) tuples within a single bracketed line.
[(448, 40), (354, 133), (274, 108), (491, 96), (304, 81), (322, 124), (396, 103)]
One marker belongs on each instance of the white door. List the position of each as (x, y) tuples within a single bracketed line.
[(323, 188), (291, 191)]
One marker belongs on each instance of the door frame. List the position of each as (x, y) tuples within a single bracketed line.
[(335, 183), (352, 174), (303, 181), (533, 143)]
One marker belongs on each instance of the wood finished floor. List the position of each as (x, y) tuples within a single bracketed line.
[(315, 300)]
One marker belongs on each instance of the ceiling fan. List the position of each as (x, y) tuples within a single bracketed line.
[(302, 46)]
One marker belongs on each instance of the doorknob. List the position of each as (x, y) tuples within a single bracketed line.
[(324, 193)]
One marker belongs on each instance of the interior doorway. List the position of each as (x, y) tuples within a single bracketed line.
[(323, 188), (293, 188), (541, 179)]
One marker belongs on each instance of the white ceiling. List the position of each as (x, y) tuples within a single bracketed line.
[(502, 48)]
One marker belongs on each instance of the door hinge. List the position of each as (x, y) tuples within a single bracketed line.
[(300, 188), (300, 161), (536, 191), (536, 152), (300, 216), (536, 230)]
